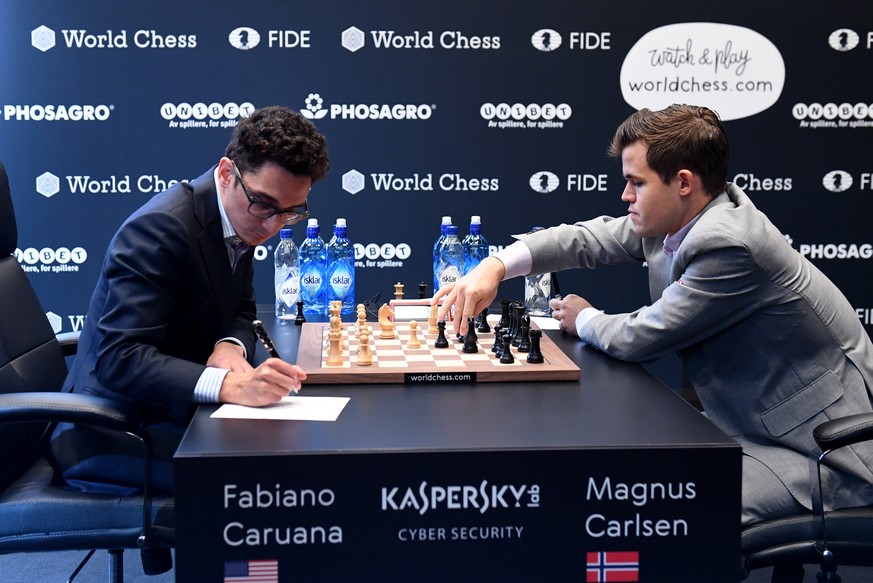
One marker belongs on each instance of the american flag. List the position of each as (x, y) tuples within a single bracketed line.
[(612, 567), (256, 571)]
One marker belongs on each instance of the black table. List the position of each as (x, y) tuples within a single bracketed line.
[(487, 482)]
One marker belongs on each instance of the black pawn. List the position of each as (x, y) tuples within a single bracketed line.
[(483, 326), (441, 340), (506, 356), (535, 356), (422, 290), (300, 317), (471, 340), (497, 340), (516, 331)]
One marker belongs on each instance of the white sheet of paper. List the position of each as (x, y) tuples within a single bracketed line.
[(289, 408), (546, 322)]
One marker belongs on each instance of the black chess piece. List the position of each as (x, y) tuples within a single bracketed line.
[(482, 320), (518, 310), (471, 340), (300, 317), (504, 314), (498, 339), (524, 338), (506, 356), (441, 340), (535, 356), (422, 290)]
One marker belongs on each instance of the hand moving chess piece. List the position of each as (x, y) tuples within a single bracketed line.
[(432, 327), (386, 322), (441, 340)]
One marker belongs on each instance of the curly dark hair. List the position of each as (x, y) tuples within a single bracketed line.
[(282, 136), (679, 136)]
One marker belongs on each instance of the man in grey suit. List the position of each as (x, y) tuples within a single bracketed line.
[(770, 345), (170, 321)]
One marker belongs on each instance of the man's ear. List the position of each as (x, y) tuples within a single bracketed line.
[(688, 181), (225, 171)]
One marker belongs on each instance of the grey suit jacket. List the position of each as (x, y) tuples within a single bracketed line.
[(771, 346)]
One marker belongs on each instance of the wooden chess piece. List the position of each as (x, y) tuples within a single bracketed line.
[(506, 356), (535, 356), (365, 354), (524, 338), (335, 351), (413, 341), (432, 327), (482, 320), (422, 290), (386, 324), (398, 291), (441, 340), (471, 340)]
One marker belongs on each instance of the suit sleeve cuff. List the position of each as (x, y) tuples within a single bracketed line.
[(208, 385)]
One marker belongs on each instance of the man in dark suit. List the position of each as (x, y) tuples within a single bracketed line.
[(170, 321), (770, 345)]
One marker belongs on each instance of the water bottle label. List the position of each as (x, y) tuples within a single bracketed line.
[(341, 281), (449, 274), (289, 289), (310, 281)]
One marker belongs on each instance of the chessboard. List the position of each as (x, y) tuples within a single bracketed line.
[(394, 362)]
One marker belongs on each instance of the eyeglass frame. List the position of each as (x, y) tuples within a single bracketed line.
[(295, 215)]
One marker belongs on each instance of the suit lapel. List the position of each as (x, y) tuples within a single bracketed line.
[(213, 251)]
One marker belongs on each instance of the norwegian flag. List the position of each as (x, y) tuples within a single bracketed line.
[(612, 567)]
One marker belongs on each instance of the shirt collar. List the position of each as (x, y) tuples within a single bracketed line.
[(672, 242), (226, 226)]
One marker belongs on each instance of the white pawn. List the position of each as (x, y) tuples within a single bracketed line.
[(365, 356), (413, 341)]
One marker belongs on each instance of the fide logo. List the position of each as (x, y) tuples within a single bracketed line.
[(544, 182), (244, 38), (546, 40), (843, 40), (837, 181)]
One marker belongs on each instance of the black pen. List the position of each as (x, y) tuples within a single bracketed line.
[(265, 339), (555, 289)]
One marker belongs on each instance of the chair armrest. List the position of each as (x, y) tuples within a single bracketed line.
[(70, 407), (69, 342), (844, 431)]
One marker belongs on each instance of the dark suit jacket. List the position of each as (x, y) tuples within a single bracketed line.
[(166, 294)]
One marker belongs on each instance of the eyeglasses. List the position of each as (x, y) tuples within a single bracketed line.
[(265, 210)]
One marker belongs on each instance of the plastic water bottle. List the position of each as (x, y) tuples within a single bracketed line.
[(475, 245), (451, 258), (436, 251), (537, 289), (341, 269), (312, 261), (287, 276)]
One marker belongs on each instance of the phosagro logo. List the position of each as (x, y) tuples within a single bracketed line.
[(837, 181), (519, 115), (546, 40), (57, 112), (202, 115), (843, 39), (244, 38), (315, 110)]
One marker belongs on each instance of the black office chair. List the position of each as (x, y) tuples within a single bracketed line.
[(839, 537), (36, 513)]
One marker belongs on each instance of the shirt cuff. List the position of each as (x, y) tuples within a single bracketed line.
[(236, 341), (584, 317), (516, 260), (208, 385)]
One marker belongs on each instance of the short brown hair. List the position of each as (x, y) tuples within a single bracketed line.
[(679, 136)]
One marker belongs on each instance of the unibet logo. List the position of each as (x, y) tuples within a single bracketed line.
[(244, 38), (546, 40), (843, 39), (544, 182), (42, 38), (353, 182), (353, 39), (837, 181), (47, 184)]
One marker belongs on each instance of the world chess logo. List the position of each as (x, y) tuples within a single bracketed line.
[(353, 39), (244, 38), (47, 184), (56, 322), (546, 40), (42, 38), (544, 182), (837, 181), (314, 107), (353, 182), (843, 39)]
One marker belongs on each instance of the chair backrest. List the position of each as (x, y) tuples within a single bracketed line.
[(30, 356)]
